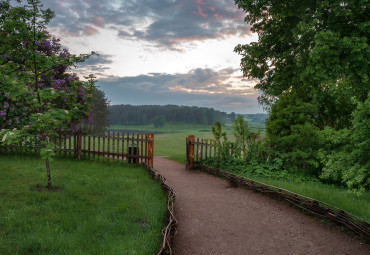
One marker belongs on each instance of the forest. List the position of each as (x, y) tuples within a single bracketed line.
[(147, 114), (159, 114)]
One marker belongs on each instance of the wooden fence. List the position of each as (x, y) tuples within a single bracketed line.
[(111, 146), (201, 149)]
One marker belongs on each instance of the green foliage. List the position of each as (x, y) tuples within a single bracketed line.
[(159, 121), (39, 97), (311, 60), (223, 146), (99, 113), (241, 134), (345, 159), (247, 141)]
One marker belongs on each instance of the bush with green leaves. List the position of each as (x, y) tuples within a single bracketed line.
[(346, 156)]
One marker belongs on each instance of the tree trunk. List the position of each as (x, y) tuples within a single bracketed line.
[(48, 173)]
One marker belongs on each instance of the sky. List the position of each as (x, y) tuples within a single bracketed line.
[(160, 51)]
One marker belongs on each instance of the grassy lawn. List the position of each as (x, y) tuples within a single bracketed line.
[(99, 208)]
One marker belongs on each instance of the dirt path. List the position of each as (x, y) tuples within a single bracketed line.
[(214, 218)]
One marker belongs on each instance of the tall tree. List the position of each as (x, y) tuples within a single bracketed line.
[(317, 50), (40, 97), (99, 113), (312, 62)]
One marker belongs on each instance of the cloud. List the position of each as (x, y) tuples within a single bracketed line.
[(167, 23), (202, 87), (96, 64), (89, 30)]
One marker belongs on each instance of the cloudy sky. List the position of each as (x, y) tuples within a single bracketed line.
[(160, 51)]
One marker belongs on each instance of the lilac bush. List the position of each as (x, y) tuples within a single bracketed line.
[(39, 95)]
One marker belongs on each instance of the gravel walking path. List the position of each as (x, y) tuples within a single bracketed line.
[(215, 218)]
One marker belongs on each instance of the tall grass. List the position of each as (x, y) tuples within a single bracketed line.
[(99, 208)]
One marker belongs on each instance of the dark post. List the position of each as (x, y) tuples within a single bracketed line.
[(150, 149), (79, 142), (190, 152)]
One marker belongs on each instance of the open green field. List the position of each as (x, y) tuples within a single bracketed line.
[(99, 208), (169, 140)]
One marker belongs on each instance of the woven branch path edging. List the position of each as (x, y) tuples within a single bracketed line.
[(169, 231), (317, 208)]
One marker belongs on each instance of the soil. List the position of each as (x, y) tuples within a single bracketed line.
[(215, 218)]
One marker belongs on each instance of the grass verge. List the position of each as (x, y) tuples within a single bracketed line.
[(340, 197), (99, 208)]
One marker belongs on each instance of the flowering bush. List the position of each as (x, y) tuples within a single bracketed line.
[(39, 95)]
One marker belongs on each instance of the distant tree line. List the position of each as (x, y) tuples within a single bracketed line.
[(259, 118), (148, 114)]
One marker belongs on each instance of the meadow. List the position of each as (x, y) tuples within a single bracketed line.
[(97, 208), (170, 141)]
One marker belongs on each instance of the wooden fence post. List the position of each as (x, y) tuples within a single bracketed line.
[(190, 152), (79, 144), (150, 149)]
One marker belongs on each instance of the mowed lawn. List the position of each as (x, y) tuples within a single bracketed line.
[(99, 208)]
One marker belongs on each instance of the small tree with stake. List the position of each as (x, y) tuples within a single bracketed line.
[(39, 96)]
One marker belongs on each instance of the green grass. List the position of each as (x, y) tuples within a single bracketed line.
[(358, 205), (100, 208), (169, 140)]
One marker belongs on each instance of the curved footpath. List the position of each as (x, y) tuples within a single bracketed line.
[(215, 218)]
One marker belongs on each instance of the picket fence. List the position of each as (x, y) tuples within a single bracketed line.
[(109, 146)]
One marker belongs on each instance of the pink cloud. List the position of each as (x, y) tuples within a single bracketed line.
[(89, 30), (198, 2), (99, 21), (200, 12)]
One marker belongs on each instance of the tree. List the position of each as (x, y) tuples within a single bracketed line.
[(310, 48), (312, 63), (241, 134), (159, 121), (99, 113), (347, 151), (40, 98), (232, 116)]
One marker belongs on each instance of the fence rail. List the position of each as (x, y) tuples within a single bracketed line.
[(206, 148), (111, 146)]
